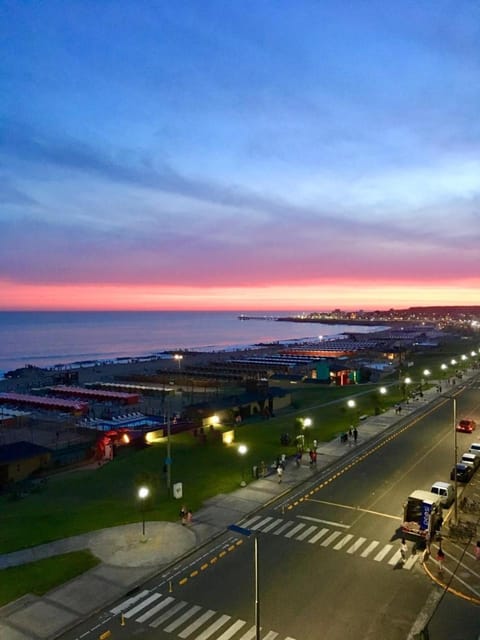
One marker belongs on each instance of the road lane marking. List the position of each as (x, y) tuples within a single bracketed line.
[(333, 536), (158, 607), (370, 548), (381, 554), (231, 631), (318, 535), (168, 614), (209, 631), (186, 616), (411, 561), (356, 545), (306, 533), (272, 525), (250, 634), (395, 559), (126, 603), (345, 540), (281, 529), (131, 612), (260, 524), (295, 530), (198, 623), (351, 508), (333, 524)]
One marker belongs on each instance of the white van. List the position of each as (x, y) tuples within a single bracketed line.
[(475, 448), (446, 492), (471, 459)]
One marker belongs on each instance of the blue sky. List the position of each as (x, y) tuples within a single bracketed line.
[(239, 154)]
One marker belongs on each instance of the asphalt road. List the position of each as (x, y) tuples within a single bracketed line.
[(329, 563)]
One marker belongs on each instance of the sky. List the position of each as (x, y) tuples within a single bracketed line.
[(239, 154)]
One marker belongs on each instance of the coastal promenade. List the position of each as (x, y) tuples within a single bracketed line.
[(128, 559)]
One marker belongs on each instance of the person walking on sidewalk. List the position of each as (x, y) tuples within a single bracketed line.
[(403, 550), (355, 435), (280, 473)]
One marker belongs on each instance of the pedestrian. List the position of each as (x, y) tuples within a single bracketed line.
[(314, 445), (298, 458), (476, 550), (189, 516), (183, 515), (355, 435), (403, 550), (314, 458), (440, 559), (283, 460), (279, 473), (310, 453), (350, 432)]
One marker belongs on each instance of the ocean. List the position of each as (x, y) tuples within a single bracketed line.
[(46, 339)]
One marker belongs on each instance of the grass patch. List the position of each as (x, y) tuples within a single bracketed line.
[(44, 575)]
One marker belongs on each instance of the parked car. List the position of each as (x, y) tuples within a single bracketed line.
[(446, 492), (472, 459), (464, 472), (475, 448), (466, 426)]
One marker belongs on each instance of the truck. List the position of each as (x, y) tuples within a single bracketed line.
[(422, 514)]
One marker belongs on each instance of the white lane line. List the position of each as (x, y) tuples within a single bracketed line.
[(250, 521), (158, 607), (198, 623), (356, 545), (272, 525), (186, 616), (333, 536), (318, 535), (131, 612), (295, 530), (271, 635), (411, 561), (395, 559), (345, 540), (259, 525), (381, 554), (285, 526), (332, 524), (306, 533), (209, 631), (231, 631), (366, 552), (126, 603), (250, 634), (168, 614)]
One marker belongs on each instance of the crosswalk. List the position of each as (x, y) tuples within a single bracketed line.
[(332, 538), (187, 621)]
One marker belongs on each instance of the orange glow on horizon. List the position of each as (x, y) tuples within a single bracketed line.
[(295, 297)]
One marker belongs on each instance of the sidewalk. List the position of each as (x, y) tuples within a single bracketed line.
[(128, 560)]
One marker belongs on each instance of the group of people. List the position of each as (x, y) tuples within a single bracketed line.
[(350, 435)]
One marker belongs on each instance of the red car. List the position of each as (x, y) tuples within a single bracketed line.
[(466, 426)]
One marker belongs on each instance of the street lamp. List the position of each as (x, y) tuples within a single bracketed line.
[(178, 357), (143, 494), (242, 450), (248, 532)]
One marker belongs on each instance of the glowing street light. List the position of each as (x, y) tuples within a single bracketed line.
[(242, 450), (143, 493), (178, 357)]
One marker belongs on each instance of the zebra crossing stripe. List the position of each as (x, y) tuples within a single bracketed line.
[(410, 562), (373, 545), (183, 618), (306, 533), (198, 623), (250, 521), (318, 535), (131, 612), (158, 607), (273, 524), (356, 545), (283, 528), (130, 601), (295, 530), (209, 631), (333, 536), (381, 554), (343, 542), (250, 634), (168, 614), (271, 635), (231, 631), (395, 559), (260, 524)]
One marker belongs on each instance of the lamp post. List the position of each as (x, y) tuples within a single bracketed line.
[(455, 484), (242, 450), (178, 357), (143, 494), (248, 532)]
